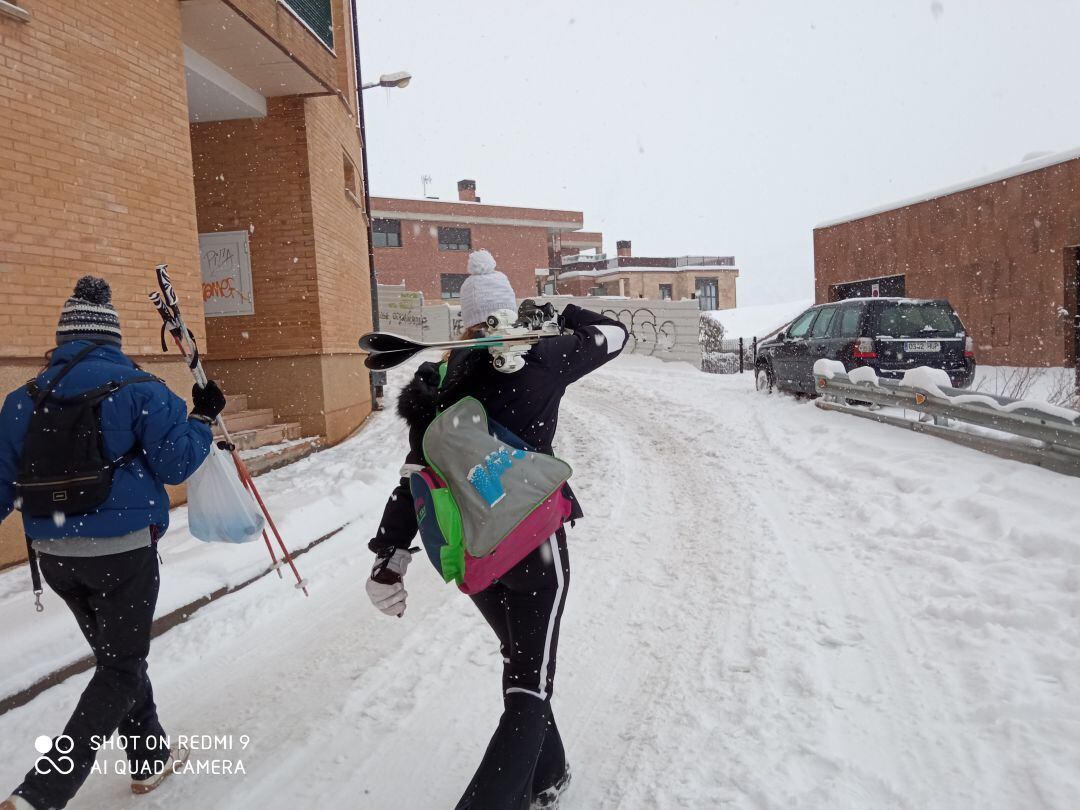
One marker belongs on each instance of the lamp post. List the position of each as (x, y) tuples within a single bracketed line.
[(399, 79)]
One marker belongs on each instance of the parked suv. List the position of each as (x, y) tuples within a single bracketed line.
[(891, 335)]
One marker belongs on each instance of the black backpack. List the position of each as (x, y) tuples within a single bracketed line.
[(65, 467)]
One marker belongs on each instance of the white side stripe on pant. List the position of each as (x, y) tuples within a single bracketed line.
[(556, 559)]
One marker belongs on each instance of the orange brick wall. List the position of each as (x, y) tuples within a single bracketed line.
[(253, 175), (518, 251), (1004, 255), (344, 290), (95, 165), (282, 178)]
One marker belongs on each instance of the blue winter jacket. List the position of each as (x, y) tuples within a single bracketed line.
[(145, 414)]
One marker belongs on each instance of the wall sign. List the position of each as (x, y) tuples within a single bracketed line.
[(226, 274)]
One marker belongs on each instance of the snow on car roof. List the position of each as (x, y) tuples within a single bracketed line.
[(890, 298)]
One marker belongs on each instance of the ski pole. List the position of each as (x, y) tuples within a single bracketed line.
[(186, 344), (197, 371), (168, 307)]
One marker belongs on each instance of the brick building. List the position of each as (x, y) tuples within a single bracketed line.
[(219, 136), (1003, 249), (425, 243), (708, 279)]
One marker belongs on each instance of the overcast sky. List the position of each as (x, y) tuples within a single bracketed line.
[(719, 126)]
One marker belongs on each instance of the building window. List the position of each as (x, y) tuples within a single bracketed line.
[(665, 292), (455, 239), (350, 179), (451, 284), (386, 233), (708, 293), (317, 17)]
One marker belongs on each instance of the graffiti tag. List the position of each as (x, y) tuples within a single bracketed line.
[(644, 329)]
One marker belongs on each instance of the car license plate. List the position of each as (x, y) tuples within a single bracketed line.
[(923, 346)]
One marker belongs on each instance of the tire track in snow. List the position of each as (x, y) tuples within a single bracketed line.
[(667, 706)]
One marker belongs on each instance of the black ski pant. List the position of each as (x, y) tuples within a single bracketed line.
[(113, 599), (524, 608)]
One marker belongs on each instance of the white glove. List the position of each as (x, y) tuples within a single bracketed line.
[(384, 587)]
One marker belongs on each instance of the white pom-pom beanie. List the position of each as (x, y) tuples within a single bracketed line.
[(485, 291)]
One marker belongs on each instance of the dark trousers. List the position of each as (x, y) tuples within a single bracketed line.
[(113, 599), (524, 608)]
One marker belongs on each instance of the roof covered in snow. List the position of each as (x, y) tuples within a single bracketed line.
[(604, 272), (1026, 167)]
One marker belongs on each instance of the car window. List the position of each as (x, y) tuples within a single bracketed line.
[(823, 322), (849, 322), (802, 324), (902, 319)]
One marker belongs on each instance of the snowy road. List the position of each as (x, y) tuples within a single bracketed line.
[(770, 607)]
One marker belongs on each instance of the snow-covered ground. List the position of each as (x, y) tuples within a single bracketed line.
[(1056, 385), (771, 606)]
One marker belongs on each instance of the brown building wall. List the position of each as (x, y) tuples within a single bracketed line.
[(518, 251), (341, 256), (253, 175), (282, 179), (95, 177), (999, 253), (95, 165)]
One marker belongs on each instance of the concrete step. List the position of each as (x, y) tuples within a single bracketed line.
[(235, 403), (263, 436), (272, 456), (249, 420)]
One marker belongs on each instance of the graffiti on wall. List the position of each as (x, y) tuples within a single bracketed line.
[(646, 331), (225, 263)]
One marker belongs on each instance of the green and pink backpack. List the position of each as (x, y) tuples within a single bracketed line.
[(485, 500)]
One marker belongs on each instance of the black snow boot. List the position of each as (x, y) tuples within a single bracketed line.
[(549, 799)]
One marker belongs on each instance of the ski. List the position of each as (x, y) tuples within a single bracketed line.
[(387, 350)]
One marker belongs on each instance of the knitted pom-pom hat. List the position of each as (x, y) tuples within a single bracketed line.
[(485, 291), (89, 314)]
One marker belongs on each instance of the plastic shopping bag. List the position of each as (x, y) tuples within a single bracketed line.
[(220, 510)]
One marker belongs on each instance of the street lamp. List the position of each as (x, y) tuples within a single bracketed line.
[(399, 79)]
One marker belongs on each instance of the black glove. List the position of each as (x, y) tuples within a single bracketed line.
[(533, 316), (209, 401), (568, 317)]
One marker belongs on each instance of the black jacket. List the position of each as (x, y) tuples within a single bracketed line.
[(525, 402)]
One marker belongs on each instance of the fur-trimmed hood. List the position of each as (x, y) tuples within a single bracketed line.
[(419, 400)]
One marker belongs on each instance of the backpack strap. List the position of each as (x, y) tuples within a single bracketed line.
[(38, 394), (35, 573), (108, 389)]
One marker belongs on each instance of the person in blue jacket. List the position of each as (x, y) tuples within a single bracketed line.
[(103, 563)]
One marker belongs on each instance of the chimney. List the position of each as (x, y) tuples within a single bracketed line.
[(466, 191), (623, 248)]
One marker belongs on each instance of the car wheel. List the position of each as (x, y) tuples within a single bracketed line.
[(763, 381)]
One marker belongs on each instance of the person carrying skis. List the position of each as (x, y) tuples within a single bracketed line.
[(525, 765), (93, 413)]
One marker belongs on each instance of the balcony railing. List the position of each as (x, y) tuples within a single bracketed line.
[(316, 15)]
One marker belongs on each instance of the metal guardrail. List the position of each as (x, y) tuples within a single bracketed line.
[(1048, 436)]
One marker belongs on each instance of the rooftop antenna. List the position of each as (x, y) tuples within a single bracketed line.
[(426, 180)]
